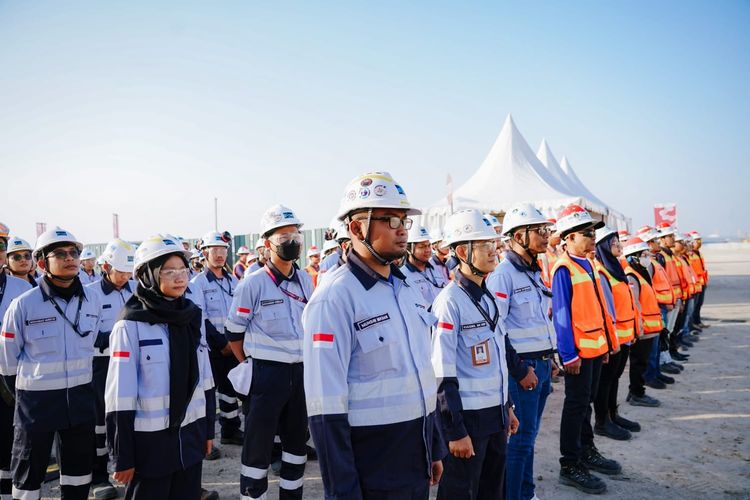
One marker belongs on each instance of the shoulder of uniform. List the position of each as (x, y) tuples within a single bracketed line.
[(18, 283)]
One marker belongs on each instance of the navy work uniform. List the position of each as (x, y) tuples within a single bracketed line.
[(217, 299), (429, 281), (10, 288), (112, 301), (469, 358), (370, 387), (266, 314), (137, 413), (48, 342)]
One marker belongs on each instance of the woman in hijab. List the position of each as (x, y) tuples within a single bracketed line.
[(608, 422), (159, 402)]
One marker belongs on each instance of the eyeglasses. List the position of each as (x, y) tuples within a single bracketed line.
[(395, 222), (280, 239), (3, 246), (62, 254), (541, 230), (174, 274), (589, 233), (21, 256), (488, 246), (218, 250)]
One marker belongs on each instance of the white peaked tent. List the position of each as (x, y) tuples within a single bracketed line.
[(548, 159), (512, 173), (614, 219)]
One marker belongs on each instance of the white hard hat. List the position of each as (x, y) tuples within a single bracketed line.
[(418, 234), (278, 216), (195, 254), (313, 250), (436, 235), (522, 215), (623, 235), (330, 245), (53, 237), (678, 236), (157, 246), (261, 243), (665, 229), (212, 239), (16, 244), (493, 220), (374, 190), (695, 235), (87, 254), (603, 232), (633, 246), (120, 255), (647, 233), (252, 256), (575, 218), (243, 250), (467, 225), (342, 231)]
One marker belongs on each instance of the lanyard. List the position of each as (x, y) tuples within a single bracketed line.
[(545, 291), (2, 290), (492, 322), (430, 277), (78, 316), (289, 294), (218, 282)]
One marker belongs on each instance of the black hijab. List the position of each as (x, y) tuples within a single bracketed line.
[(183, 320), (609, 261)]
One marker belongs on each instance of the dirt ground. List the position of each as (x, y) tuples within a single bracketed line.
[(696, 445)]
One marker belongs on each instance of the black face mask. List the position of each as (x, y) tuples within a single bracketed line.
[(288, 250)]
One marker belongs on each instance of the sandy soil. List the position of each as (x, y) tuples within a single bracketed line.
[(696, 445)]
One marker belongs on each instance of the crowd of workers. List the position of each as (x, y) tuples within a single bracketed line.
[(399, 358)]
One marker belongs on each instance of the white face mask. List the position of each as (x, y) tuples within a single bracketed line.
[(644, 260)]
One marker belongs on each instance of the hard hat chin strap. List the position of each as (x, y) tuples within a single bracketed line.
[(366, 242), (469, 261), (53, 276), (412, 247)]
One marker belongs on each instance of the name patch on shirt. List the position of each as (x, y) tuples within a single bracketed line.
[(367, 323), (40, 321), (271, 302), (522, 289), (474, 326), (147, 342), (107, 306)]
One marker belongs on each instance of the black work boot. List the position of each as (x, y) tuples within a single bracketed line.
[(235, 436), (643, 400), (595, 461), (665, 378), (577, 476), (611, 430), (668, 368), (625, 423)]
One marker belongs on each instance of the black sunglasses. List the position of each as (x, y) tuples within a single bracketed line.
[(21, 256)]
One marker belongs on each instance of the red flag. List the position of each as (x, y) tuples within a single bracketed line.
[(665, 212)]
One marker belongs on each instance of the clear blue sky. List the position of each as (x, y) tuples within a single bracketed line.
[(152, 110)]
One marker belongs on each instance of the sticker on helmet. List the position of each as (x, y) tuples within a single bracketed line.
[(400, 190), (351, 195), (469, 228), (364, 192), (379, 190), (288, 215), (365, 182)]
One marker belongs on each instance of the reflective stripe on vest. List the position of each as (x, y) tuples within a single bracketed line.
[(625, 308), (650, 312), (661, 285), (673, 274), (592, 324)]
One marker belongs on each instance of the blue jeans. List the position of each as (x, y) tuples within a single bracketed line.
[(519, 475), (652, 369), (689, 310)]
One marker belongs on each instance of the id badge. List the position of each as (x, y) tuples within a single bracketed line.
[(480, 353)]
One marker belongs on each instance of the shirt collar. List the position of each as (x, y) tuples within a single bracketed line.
[(48, 292), (411, 267), (109, 287), (474, 290), (366, 276), (521, 264), (278, 276), (210, 276)]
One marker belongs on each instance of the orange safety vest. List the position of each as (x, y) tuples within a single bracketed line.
[(626, 311), (546, 262), (650, 312), (688, 289), (593, 329), (313, 274), (696, 262), (693, 283), (673, 274), (703, 265), (661, 285)]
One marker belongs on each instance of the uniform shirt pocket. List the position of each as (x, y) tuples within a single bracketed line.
[(274, 319), (41, 339), (377, 347), (523, 304)]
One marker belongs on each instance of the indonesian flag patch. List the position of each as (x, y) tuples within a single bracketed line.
[(322, 340), (501, 295), (120, 356), (243, 312)]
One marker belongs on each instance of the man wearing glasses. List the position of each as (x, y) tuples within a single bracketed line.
[(585, 337), (218, 287), (48, 327), (265, 325), (10, 288), (525, 303), (370, 386)]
